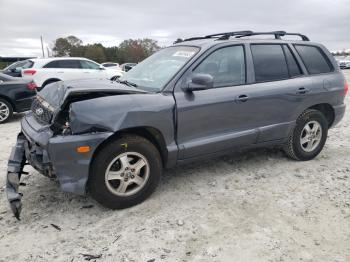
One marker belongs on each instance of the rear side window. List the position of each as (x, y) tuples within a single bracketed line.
[(314, 59), (226, 66), (63, 64), (69, 64), (269, 63), (52, 64), (294, 69)]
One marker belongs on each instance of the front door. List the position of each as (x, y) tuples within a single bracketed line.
[(220, 118)]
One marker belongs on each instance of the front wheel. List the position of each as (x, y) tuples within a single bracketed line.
[(125, 172), (308, 137)]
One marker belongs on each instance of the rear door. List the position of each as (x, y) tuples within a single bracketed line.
[(279, 89), (63, 69)]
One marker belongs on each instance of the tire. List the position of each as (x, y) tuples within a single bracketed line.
[(6, 111), (296, 147), (109, 193)]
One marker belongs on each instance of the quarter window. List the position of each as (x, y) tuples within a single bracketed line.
[(226, 66), (294, 69), (269, 63), (314, 59)]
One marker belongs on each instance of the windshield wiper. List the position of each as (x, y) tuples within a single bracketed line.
[(125, 82)]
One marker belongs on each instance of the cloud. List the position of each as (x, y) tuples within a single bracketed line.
[(110, 21)]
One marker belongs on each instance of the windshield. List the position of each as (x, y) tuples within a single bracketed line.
[(153, 73)]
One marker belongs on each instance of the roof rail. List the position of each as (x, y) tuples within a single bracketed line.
[(239, 34)]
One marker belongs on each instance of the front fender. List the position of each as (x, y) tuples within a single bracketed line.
[(120, 112)]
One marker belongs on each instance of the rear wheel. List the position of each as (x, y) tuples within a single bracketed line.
[(308, 137), (125, 172), (6, 111)]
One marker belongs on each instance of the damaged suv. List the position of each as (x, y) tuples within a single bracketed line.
[(200, 98)]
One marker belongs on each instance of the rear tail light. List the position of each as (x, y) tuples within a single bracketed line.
[(346, 88), (31, 86), (29, 72)]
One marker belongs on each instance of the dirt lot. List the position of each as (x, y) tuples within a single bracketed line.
[(257, 206)]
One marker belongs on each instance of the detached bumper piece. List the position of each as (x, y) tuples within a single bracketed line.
[(15, 166)]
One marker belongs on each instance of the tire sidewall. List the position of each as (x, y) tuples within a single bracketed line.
[(10, 111), (310, 116), (97, 185)]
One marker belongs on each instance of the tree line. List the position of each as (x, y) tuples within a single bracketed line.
[(128, 51)]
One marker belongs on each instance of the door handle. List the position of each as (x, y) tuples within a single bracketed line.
[(60, 72), (302, 90), (242, 98)]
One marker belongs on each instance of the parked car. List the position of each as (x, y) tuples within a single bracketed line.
[(127, 66), (16, 68), (16, 95), (344, 62), (201, 98), (48, 70)]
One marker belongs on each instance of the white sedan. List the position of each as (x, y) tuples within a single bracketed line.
[(48, 70)]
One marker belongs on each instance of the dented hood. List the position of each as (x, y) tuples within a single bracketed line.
[(57, 93)]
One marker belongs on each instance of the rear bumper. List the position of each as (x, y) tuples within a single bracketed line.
[(339, 112)]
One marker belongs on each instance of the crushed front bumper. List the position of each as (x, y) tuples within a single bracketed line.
[(15, 166), (52, 156)]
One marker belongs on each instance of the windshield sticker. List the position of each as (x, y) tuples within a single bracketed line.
[(184, 53)]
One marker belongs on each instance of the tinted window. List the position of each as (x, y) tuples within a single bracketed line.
[(109, 65), (269, 63), (63, 64), (314, 59), (226, 66), (294, 69), (89, 65), (53, 64), (69, 64)]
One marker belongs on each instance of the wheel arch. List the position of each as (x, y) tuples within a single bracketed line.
[(327, 110), (50, 80), (150, 133), (7, 99)]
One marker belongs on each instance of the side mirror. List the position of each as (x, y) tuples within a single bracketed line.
[(102, 67), (200, 82)]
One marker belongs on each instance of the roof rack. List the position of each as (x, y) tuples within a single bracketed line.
[(239, 34)]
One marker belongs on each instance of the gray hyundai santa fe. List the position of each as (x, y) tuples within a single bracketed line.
[(200, 98)]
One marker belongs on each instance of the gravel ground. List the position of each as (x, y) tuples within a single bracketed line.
[(256, 206)]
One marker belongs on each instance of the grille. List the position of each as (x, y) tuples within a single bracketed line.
[(41, 114)]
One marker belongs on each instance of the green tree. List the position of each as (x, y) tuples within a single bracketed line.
[(95, 52), (68, 46), (61, 47)]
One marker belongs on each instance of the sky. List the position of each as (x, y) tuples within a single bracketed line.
[(111, 21)]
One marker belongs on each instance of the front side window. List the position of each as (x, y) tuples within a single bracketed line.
[(153, 73), (314, 59), (89, 65), (226, 66), (269, 62)]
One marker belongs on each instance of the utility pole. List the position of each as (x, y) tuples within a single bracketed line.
[(42, 45)]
